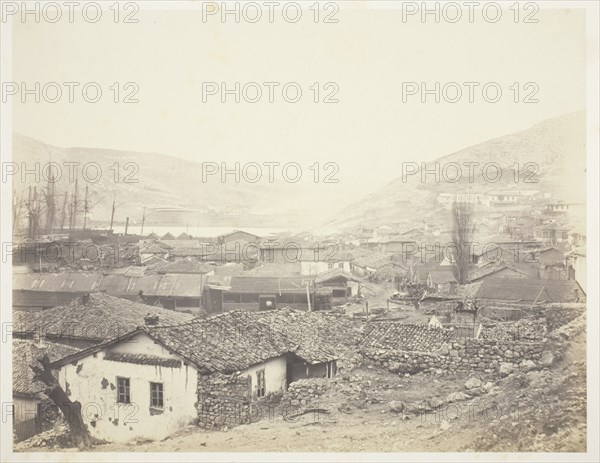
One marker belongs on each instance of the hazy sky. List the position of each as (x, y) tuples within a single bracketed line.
[(369, 53)]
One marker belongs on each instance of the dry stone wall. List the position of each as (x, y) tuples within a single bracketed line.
[(485, 356), (224, 400)]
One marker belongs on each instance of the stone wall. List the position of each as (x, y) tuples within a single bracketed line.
[(224, 400), (303, 395), (485, 356)]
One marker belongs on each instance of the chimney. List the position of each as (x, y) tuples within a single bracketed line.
[(150, 320)]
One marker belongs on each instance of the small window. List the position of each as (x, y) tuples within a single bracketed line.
[(123, 394), (156, 395), (260, 383), (331, 369)]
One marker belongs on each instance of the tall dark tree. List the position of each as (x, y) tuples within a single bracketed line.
[(463, 229), (71, 410)]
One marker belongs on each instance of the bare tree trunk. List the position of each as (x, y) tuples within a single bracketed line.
[(462, 236), (71, 410)]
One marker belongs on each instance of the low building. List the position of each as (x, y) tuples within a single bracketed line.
[(529, 291), (28, 395), (341, 283), (154, 380), (52, 289), (266, 293), (404, 248), (553, 232), (238, 236), (577, 267), (153, 249)]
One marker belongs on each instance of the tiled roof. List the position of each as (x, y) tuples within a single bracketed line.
[(96, 317), (227, 342), (153, 249), (334, 274), (407, 337), (492, 268), (185, 266), (236, 340), (26, 353), (190, 252), (318, 336), (142, 359), (372, 259)]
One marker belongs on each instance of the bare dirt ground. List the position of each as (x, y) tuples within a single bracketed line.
[(536, 411), (374, 410)]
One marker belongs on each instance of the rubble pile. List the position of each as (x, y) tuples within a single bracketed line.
[(560, 314), (58, 436)]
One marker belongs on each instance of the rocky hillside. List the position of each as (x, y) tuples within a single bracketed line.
[(555, 147)]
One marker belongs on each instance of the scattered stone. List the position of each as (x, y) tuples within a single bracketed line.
[(547, 359), (528, 365), (456, 396), (473, 383), (396, 407), (506, 369)]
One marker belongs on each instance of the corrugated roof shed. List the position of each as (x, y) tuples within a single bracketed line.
[(529, 290), (41, 290), (269, 285)]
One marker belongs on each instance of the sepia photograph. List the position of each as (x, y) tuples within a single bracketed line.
[(299, 230)]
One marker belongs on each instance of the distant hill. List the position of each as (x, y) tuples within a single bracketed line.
[(162, 181), (556, 146)]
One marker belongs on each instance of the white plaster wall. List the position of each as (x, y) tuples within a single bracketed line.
[(275, 375), (135, 420), (313, 268)]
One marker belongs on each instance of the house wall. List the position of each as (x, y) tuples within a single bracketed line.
[(580, 266), (275, 375), (92, 381), (25, 408), (313, 268), (231, 399), (551, 256), (239, 236)]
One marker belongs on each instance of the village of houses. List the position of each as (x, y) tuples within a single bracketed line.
[(357, 335)]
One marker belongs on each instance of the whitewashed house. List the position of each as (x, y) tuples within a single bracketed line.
[(156, 379)]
